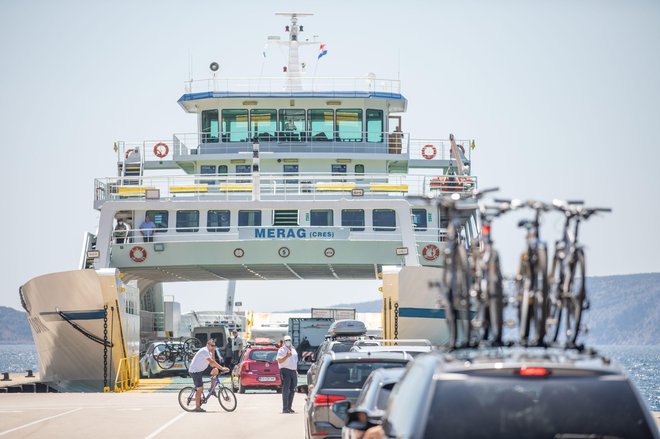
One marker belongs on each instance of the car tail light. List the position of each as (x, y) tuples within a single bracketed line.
[(534, 371), (485, 230), (321, 399), (246, 366)]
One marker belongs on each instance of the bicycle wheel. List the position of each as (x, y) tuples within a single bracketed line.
[(227, 398), (191, 345), (523, 295), (165, 358), (575, 296), (495, 297), (187, 398), (458, 299), (187, 357), (540, 291), (555, 300)]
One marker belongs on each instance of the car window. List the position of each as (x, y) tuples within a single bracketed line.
[(263, 355), (341, 347), (383, 396), (352, 375), (509, 407)]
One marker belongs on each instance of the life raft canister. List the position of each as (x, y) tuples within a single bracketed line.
[(138, 254), (429, 151), (430, 252), (161, 149)]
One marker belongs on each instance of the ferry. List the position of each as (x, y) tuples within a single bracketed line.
[(286, 178)]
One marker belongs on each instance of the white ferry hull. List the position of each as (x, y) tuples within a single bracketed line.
[(69, 360)]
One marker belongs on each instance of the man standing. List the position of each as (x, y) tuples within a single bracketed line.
[(202, 359), (147, 229), (236, 346), (287, 357)]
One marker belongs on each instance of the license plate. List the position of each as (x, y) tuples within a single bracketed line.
[(266, 379)]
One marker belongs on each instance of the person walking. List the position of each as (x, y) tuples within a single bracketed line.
[(147, 229), (203, 359), (229, 353), (236, 346), (287, 358)]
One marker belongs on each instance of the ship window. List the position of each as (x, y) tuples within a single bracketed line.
[(444, 218), (359, 170), (374, 125), (207, 170), (210, 126), (159, 217), (292, 125), (419, 219), (222, 169), (349, 125), (187, 220), (235, 126), (243, 169), (321, 125), (384, 220), (290, 170), (218, 221), (353, 218), (249, 218), (321, 218), (263, 124), (285, 217)]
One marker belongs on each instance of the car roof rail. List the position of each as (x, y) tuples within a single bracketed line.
[(394, 342)]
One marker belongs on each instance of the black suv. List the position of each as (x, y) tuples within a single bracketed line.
[(516, 392), (341, 377)]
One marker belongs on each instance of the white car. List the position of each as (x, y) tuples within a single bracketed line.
[(150, 368)]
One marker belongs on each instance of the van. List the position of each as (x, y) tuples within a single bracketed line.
[(219, 333)]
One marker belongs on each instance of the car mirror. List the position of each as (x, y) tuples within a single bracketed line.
[(340, 409)]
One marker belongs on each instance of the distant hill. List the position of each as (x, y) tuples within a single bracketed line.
[(14, 327), (624, 310)]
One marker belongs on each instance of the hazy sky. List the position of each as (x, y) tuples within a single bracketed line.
[(562, 97)]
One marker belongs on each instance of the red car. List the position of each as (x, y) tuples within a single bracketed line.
[(257, 368)]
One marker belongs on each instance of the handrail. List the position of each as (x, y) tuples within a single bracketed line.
[(128, 373), (282, 84)]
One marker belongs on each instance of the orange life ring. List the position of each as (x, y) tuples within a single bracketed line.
[(161, 149), (429, 155), (447, 184), (128, 152), (138, 254), (430, 252)]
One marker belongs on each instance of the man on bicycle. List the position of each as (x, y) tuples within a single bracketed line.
[(203, 359)]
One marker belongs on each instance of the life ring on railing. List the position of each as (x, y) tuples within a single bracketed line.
[(128, 152), (138, 254), (429, 155), (161, 149), (430, 252)]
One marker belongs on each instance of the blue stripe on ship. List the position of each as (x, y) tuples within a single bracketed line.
[(81, 315), (315, 94), (424, 313)]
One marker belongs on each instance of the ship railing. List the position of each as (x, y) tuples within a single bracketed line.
[(128, 373), (279, 186), (436, 149), (341, 85), (205, 232)]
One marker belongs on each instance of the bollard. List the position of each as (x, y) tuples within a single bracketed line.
[(29, 374), (5, 376)]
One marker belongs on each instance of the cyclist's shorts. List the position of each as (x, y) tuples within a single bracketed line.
[(197, 379)]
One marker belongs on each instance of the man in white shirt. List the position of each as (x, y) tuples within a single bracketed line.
[(202, 359), (287, 358)]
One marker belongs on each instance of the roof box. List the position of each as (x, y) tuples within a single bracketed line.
[(347, 327)]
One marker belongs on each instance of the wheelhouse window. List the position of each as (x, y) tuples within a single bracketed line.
[(321, 125), (419, 219), (353, 218), (384, 220), (292, 125), (218, 221), (187, 220), (321, 218), (249, 218), (263, 124), (210, 126), (243, 169), (349, 125), (207, 170), (235, 126), (160, 218), (375, 126)]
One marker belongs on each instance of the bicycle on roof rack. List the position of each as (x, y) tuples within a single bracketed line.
[(568, 295), (487, 289)]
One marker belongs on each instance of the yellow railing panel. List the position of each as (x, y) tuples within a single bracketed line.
[(128, 374)]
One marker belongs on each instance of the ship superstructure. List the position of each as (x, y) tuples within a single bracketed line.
[(293, 177)]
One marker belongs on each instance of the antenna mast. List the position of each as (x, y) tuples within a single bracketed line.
[(293, 67)]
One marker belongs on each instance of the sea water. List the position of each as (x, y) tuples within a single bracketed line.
[(642, 363)]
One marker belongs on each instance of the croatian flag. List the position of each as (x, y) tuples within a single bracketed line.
[(322, 51)]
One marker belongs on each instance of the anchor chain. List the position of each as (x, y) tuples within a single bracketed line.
[(106, 388), (396, 320)]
